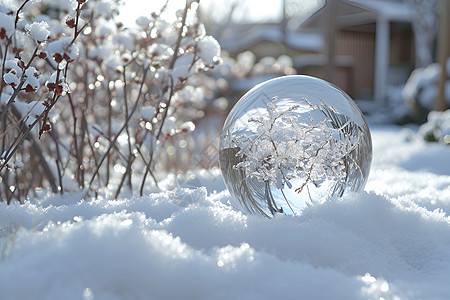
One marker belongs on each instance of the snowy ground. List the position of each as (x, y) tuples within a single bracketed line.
[(391, 241)]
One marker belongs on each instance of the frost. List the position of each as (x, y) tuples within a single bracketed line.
[(38, 30), (115, 66)]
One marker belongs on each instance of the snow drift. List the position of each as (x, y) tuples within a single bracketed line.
[(390, 241)]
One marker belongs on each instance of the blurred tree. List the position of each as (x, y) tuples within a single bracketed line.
[(425, 29), (443, 52)]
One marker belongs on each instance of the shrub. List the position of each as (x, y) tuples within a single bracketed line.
[(84, 98)]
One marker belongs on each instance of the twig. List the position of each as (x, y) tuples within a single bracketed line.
[(58, 161), (111, 144)]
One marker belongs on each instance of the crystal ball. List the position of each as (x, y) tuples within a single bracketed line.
[(291, 142)]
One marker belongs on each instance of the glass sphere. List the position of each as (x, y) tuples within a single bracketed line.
[(293, 141)]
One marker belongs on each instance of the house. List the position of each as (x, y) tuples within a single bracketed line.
[(361, 46)]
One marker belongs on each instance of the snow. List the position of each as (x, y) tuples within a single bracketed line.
[(38, 30), (421, 86), (7, 24), (11, 66), (182, 68), (143, 21), (209, 49), (32, 78), (390, 241), (64, 46), (11, 79), (169, 126), (437, 128)]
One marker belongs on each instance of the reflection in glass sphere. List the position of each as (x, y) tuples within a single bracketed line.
[(293, 141)]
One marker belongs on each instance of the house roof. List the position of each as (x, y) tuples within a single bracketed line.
[(244, 37), (240, 37), (391, 10)]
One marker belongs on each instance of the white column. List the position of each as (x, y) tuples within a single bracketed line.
[(382, 36)]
